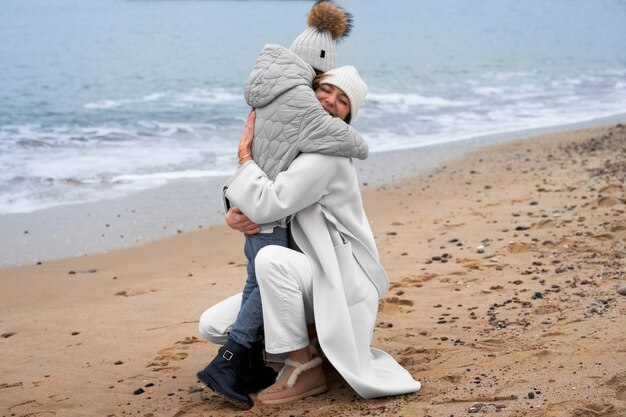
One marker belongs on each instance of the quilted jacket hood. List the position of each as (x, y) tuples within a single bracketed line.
[(277, 70)]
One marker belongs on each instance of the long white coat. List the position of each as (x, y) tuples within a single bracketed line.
[(323, 191)]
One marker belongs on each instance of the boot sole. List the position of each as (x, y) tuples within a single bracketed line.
[(315, 391), (209, 382)]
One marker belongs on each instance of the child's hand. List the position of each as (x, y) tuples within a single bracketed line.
[(244, 152), (239, 221)]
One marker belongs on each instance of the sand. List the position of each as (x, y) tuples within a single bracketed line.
[(506, 266)]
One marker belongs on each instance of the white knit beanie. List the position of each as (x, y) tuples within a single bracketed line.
[(327, 23), (348, 79)]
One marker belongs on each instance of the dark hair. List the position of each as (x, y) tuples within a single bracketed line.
[(316, 84)]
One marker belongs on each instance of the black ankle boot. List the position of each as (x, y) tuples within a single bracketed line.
[(255, 374), (223, 374)]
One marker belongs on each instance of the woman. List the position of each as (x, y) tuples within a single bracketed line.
[(334, 282), (290, 120)]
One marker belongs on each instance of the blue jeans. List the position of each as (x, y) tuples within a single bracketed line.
[(248, 328)]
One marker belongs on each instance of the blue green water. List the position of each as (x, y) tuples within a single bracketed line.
[(102, 98)]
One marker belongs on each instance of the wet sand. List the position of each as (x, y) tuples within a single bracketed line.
[(506, 266)]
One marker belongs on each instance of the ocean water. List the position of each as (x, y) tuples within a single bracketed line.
[(103, 98)]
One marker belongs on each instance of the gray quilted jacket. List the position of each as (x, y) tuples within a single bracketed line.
[(289, 118)]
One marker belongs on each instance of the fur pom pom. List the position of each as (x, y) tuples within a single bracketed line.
[(325, 15)]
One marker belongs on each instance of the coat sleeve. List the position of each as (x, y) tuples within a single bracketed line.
[(306, 181), (322, 133)]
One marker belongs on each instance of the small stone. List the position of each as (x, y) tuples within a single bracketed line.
[(480, 249), (138, 391), (75, 333), (119, 363), (622, 290), (72, 272), (149, 384), (8, 334), (399, 292), (531, 395)]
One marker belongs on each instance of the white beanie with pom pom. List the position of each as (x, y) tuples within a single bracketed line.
[(327, 23)]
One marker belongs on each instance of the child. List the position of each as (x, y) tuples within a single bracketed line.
[(289, 120)]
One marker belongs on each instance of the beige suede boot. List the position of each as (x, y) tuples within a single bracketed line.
[(295, 381)]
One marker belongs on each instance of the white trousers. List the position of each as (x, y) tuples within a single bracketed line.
[(285, 280), (216, 322)]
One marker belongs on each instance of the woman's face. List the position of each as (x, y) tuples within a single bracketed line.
[(333, 100)]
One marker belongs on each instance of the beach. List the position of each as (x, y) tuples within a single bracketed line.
[(506, 265)]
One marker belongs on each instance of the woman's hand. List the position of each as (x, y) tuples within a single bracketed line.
[(244, 151), (239, 221)]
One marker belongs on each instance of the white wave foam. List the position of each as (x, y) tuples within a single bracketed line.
[(153, 97), (204, 96), (172, 99), (169, 176), (413, 99), (105, 104)]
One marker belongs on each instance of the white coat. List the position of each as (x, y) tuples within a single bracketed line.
[(323, 190)]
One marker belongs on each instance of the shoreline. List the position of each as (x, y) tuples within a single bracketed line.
[(186, 205), (507, 294)]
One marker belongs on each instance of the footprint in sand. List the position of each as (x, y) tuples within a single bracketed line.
[(594, 409), (30, 405), (543, 224), (5, 385), (133, 293), (412, 356), (608, 201), (605, 236), (611, 188), (491, 345), (175, 353), (393, 305), (411, 282), (520, 247)]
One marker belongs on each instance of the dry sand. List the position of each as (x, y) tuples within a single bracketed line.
[(529, 324)]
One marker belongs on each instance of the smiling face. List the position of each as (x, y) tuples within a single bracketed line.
[(333, 100)]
